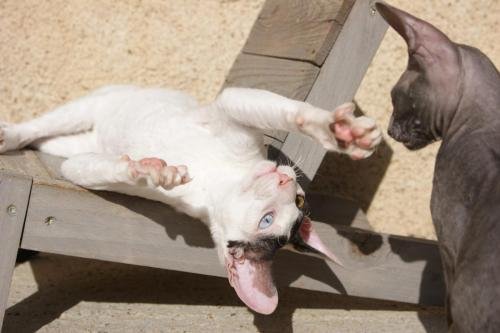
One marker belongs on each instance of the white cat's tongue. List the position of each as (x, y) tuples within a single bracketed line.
[(253, 283)]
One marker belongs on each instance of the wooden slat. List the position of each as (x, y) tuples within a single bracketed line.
[(115, 227), (14, 197), (23, 162), (338, 211), (289, 78), (52, 165), (339, 78), (298, 29), (376, 266), (43, 168)]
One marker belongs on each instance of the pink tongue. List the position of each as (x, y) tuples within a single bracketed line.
[(253, 283)]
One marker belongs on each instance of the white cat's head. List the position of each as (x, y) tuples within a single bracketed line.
[(263, 214)]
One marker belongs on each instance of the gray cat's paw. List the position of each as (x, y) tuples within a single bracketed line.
[(156, 172), (9, 138)]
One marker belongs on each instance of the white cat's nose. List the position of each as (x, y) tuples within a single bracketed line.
[(284, 179)]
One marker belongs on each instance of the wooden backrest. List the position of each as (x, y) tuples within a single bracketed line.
[(317, 51)]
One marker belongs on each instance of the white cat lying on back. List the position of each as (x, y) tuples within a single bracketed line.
[(206, 161)]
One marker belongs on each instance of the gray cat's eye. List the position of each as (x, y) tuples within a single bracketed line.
[(266, 221)]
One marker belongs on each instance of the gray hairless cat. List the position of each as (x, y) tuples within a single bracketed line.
[(452, 92)]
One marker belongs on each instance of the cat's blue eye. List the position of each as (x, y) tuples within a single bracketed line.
[(266, 221)]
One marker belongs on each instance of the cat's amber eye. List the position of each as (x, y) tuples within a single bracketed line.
[(300, 201)]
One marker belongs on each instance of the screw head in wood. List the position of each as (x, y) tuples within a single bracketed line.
[(373, 10), (50, 220), (12, 210)]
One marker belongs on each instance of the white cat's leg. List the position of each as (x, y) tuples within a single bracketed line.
[(336, 131), (73, 117), (101, 172), (259, 108), (68, 145)]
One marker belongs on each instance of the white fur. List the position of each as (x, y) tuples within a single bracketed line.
[(221, 144)]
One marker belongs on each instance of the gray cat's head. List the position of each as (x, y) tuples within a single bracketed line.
[(264, 213), (428, 92)]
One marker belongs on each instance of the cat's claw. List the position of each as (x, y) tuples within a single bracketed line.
[(340, 130), (156, 172)]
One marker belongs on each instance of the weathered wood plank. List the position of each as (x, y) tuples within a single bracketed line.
[(43, 168), (114, 227), (297, 29), (338, 211), (289, 78), (52, 165), (14, 197), (339, 78), (376, 266), (23, 162)]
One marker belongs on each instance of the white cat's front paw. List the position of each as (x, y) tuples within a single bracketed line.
[(9, 138), (356, 136), (156, 172), (340, 130)]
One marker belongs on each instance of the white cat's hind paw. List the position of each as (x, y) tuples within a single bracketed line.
[(9, 138), (156, 172)]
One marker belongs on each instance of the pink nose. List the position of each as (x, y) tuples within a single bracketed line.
[(284, 178)]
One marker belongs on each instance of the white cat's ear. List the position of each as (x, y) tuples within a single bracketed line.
[(306, 240), (249, 273), (253, 283)]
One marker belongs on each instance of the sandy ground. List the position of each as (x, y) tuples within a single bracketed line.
[(53, 51)]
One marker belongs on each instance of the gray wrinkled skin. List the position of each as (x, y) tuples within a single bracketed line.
[(452, 92)]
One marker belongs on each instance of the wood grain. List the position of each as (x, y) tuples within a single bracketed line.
[(43, 168), (119, 228), (289, 78), (339, 78), (297, 29), (14, 193)]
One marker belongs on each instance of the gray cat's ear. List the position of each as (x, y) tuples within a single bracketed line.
[(423, 39)]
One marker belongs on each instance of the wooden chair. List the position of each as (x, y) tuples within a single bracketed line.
[(316, 51)]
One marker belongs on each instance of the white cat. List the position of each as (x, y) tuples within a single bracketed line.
[(206, 161)]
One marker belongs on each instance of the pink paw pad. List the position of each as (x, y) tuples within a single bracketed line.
[(358, 136), (153, 162), (156, 172)]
